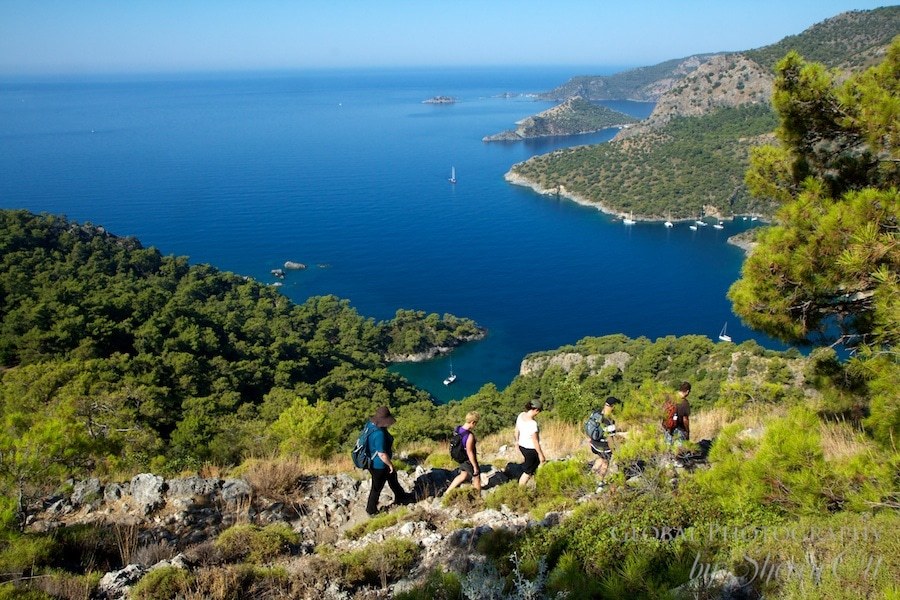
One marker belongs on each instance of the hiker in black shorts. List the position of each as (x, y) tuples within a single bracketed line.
[(606, 426)]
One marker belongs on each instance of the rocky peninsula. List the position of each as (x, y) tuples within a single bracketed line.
[(572, 117)]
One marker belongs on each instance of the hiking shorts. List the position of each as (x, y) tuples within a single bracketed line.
[(601, 449), (468, 467), (531, 459)]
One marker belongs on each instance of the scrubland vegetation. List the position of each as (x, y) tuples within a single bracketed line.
[(117, 359)]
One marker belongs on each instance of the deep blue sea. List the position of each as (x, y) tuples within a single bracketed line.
[(347, 171)]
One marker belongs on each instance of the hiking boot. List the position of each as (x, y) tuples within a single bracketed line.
[(406, 499)]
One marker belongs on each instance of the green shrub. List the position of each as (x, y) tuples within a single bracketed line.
[(163, 583), (23, 552), (375, 523), (254, 544), (642, 443), (568, 479), (378, 564), (9, 591), (846, 555), (439, 585), (784, 473), (465, 498), (516, 497), (497, 544), (441, 460)]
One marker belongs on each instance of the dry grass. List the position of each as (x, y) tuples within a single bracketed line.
[(274, 478), (558, 440), (706, 425), (841, 441)]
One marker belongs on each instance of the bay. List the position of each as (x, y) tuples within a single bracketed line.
[(347, 172)]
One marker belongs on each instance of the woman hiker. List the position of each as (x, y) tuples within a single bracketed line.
[(468, 468), (529, 440), (381, 444)]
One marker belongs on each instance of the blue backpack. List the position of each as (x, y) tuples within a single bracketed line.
[(360, 453)]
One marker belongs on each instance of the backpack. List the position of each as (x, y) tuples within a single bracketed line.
[(670, 418), (360, 453), (594, 426), (458, 447)]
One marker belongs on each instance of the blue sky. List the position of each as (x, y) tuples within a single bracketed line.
[(102, 36)]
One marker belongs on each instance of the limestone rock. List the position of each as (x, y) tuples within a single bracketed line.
[(147, 491)]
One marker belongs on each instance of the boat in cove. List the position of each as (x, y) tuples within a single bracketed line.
[(452, 377), (723, 335), (629, 220)]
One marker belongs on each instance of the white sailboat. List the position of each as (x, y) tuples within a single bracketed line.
[(452, 175), (669, 222), (629, 220), (718, 225), (723, 335), (452, 377)]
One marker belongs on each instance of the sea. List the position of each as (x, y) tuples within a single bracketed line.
[(347, 171)]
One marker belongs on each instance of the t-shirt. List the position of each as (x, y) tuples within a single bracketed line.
[(682, 409), (526, 427), (380, 440)]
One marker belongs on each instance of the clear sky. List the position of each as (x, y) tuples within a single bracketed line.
[(102, 36)]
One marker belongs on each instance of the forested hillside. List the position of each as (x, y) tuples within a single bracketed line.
[(607, 177), (145, 359), (689, 167)]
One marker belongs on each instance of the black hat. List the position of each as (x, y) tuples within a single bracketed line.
[(383, 417), (612, 401)]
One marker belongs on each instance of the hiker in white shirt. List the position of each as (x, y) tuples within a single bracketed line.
[(529, 440)]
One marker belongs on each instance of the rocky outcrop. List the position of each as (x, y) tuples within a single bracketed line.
[(572, 117), (569, 360), (724, 81)]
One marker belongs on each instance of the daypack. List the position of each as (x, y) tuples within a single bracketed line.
[(360, 453), (594, 426), (458, 447), (669, 414)]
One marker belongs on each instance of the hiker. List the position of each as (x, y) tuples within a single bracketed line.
[(529, 441), (680, 431), (599, 427), (469, 468), (381, 444)]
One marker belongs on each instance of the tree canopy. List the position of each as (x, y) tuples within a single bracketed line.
[(830, 265), (829, 269)]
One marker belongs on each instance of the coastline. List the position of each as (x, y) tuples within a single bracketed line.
[(561, 191), (742, 241)]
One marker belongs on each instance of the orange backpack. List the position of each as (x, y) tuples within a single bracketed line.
[(669, 414)]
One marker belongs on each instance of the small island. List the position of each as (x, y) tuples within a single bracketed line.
[(572, 117), (440, 100)]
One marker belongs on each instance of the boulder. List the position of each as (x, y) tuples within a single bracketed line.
[(147, 491), (115, 585), (235, 490), (88, 491)]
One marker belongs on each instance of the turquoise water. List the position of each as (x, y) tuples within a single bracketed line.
[(347, 171)]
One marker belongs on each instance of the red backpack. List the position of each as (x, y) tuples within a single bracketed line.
[(669, 414)]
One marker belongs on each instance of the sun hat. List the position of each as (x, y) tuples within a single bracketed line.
[(383, 417), (536, 405)]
